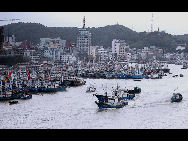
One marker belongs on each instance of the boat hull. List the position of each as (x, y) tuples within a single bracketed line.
[(102, 105), (63, 88), (2, 98)]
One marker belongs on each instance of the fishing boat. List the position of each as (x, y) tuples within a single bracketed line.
[(116, 100), (105, 101), (91, 88), (122, 94), (26, 96), (8, 96), (177, 97), (75, 81), (136, 90)]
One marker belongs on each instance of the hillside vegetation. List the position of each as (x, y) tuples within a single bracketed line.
[(101, 36)]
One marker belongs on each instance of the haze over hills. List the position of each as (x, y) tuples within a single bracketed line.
[(101, 36)]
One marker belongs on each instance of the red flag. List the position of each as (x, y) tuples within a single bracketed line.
[(28, 75), (9, 73)]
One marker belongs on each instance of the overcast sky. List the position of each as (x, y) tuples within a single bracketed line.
[(175, 23)]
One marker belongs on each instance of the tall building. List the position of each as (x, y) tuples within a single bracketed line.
[(84, 39)]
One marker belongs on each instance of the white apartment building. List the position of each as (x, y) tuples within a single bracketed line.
[(103, 54), (52, 53), (119, 46), (67, 58)]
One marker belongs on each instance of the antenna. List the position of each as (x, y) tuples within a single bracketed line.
[(152, 23)]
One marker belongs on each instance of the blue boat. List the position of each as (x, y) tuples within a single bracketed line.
[(136, 76), (128, 96), (33, 89), (123, 76), (177, 97), (52, 89)]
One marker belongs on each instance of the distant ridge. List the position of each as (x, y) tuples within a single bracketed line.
[(102, 36)]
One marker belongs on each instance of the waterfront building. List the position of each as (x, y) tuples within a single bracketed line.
[(103, 54)]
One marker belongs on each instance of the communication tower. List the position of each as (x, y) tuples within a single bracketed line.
[(152, 23), (84, 22)]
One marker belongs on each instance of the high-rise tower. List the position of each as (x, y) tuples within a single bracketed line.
[(84, 39)]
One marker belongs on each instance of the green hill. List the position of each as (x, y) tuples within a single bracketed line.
[(101, 36)]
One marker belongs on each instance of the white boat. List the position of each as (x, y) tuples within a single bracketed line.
[(91, 88)]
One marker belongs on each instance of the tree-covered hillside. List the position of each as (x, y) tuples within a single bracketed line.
[(102, 36)]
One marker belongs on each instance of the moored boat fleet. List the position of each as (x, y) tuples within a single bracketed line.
[(121, 70), (21, 81)]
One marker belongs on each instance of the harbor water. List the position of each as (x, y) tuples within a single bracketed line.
[(74, 108)]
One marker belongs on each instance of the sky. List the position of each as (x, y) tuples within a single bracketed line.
[(175, 23)]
